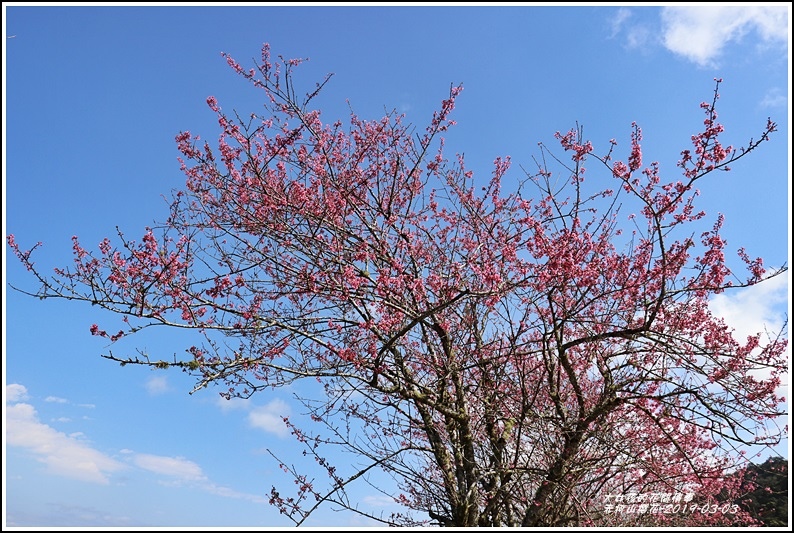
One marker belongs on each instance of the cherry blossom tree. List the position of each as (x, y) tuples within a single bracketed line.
[(530, 349)]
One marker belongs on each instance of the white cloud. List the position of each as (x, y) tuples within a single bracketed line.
[(269, 417), (157, 385), (753, 309), (16, 392), (62, 419), (774, 97), (176, 467), (55, 399), (621, 15), (699, 33), (232, 403), (639, 35), (72, 457), (378, 501), (185, 472), (63, 455), (226, 492)]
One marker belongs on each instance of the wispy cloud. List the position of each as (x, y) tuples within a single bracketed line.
[(226, 492), (62, 454), (621, 16), (773, 98), (69, 515), (269, 417), (378, 501), (183, 472), (55, 399), (638, 35), (699, 33), (174, 467), (157, 385), (72, 456)]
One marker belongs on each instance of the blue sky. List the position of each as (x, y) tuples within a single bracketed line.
[(92, 100)]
